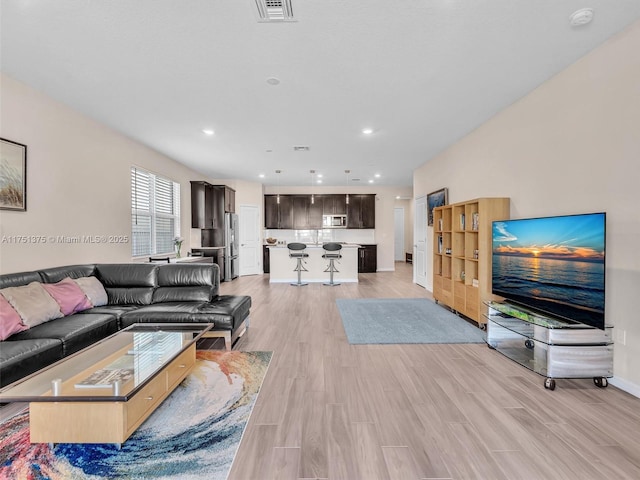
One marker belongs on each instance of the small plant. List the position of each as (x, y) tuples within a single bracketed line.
[(178, 244)]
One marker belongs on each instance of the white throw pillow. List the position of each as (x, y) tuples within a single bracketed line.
[(33, 303), (93, 289)]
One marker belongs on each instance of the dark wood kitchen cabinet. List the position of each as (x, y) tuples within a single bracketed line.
[(209, 204), (307, 212), (361, 211), (202, 205), (278, 213), (334, 204), (266, 259), (229, 200), (367, 259)]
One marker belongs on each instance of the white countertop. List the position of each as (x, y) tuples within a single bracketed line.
[(318, 245)]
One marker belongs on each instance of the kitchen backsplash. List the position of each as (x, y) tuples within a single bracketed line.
[(364, 236)]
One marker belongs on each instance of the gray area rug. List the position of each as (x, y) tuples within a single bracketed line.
[(404, 320)]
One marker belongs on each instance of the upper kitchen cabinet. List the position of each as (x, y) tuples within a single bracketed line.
[(278, 211), (202, 205), (209, 204), (229, 200), (307, 212), (335, 204), (361, 211)]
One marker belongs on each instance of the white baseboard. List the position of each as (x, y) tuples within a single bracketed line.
[(386, 270), (628, 387)]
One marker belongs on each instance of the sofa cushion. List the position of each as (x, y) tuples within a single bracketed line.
[(10, 321), (115, 310), (75, 331), (128, 283), (19, 358), (55, 274), (170, 312), (186, 283), (19, 279), (68, 295), (93, 289), (33, 303), (227, 312)]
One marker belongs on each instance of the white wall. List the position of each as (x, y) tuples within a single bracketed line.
[(570, 146), (78, 183)]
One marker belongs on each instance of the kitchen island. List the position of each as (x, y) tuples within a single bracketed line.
[(282, 266)]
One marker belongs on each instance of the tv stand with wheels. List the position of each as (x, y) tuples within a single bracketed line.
[(552, 347)]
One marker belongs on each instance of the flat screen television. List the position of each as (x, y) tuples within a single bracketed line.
[(553, 265)]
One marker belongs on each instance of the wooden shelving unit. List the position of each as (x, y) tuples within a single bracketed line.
[(462, 254)]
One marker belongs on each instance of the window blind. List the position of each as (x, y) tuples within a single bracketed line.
[(155, 213)]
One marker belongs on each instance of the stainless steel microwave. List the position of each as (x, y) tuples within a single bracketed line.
[(334, 221)]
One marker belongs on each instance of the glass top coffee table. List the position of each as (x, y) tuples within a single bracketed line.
[(103, 393)]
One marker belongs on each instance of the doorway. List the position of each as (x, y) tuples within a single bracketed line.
[(398, 234), (420, 242)]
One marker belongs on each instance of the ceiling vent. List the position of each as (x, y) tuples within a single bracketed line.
[(275, 11), (301, 148)]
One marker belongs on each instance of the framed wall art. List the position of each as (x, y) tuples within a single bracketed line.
[(436, 199), (13, 175)]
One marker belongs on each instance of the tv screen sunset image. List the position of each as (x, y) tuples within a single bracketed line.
[(555, 264)]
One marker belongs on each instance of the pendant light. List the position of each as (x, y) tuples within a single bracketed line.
[(278, 186), (347, 172), (313, 199)]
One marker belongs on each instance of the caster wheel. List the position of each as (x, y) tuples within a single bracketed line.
[(601, 382), (550, 384), (529, 344), (482, 326), (491, 346)]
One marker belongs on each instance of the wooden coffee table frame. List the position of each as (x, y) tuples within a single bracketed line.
[(112, 420)]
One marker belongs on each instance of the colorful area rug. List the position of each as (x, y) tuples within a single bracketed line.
[(194, 434), (403, 320)]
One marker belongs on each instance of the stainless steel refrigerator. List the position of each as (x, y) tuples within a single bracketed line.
[(231, 246)]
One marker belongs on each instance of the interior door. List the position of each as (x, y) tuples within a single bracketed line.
[(420, 242), (250, 248)]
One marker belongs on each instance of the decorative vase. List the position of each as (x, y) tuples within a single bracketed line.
[(178, 251)]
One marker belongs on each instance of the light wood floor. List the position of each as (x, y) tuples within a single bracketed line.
[(332, 410)]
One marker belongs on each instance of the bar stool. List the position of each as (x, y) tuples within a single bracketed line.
[(331, 253), (297, 251)]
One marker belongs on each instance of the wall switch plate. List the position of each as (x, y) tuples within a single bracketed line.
[(621, 336)]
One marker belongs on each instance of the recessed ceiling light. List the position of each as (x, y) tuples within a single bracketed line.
[(208, 131), (377, 175), (261, 175), (397, 197), (367, 131), (581, 17), (319, 175), (370, 181), (319, 181), (273, 81)]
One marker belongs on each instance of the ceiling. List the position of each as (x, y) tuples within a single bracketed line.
[(420, 73)]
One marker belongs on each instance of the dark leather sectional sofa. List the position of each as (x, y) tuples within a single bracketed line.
[(137, 293)]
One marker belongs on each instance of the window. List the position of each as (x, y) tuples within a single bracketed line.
[(155, 213)]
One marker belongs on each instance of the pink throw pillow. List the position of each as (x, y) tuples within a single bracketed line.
[(68, 295), (10, 321)]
